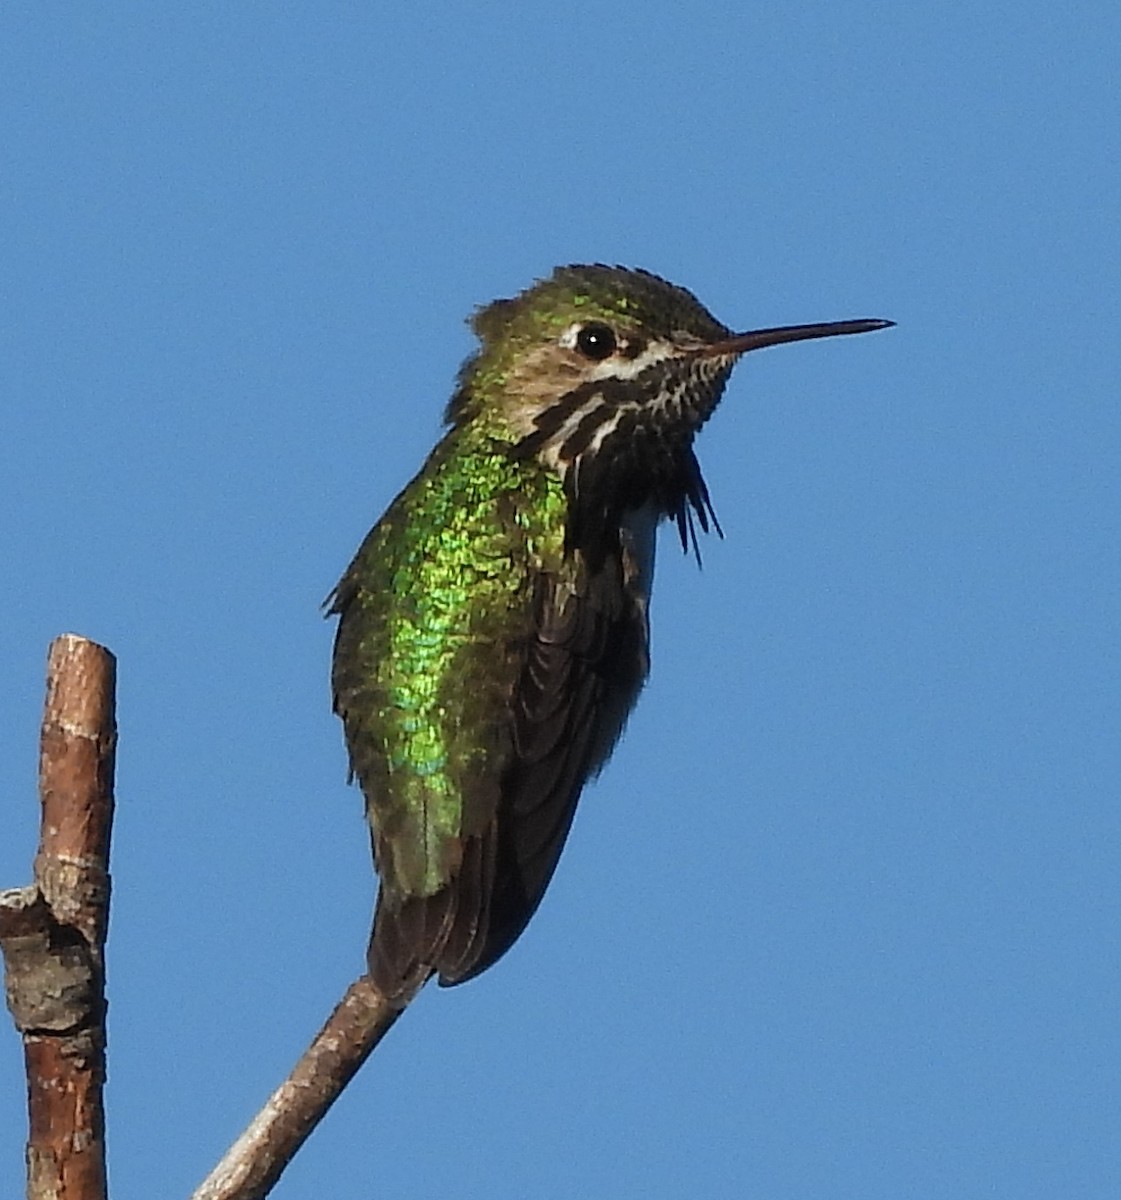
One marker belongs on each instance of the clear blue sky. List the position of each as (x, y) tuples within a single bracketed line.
[(840, 920)]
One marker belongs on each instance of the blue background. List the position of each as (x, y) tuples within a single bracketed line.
[(841, 917)]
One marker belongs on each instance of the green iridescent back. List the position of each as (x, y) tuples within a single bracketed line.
[(437, 601)]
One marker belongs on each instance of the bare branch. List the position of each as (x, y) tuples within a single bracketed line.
[(255, 1161), (53, 933)]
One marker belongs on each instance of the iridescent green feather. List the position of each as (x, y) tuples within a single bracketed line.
[(437, 607)]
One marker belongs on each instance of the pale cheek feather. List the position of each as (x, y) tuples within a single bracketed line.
[(555, 369)]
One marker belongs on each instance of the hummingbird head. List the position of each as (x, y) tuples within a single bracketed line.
[(590, 330), (606, 374)]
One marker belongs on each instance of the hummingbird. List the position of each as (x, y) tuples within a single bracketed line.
[(493, 630)]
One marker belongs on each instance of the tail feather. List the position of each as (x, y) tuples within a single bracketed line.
[(394, 966), (420, 936), (475, 889)]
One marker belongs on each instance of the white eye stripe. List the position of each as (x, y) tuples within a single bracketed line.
[(617, 367), (628, 368), (568, 338)]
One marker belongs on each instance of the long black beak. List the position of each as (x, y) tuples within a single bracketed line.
[(756, 339)]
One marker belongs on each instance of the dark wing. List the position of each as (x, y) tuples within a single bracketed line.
[(584, 666), (584, 663)]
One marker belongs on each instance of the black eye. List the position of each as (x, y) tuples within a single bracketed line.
[(596, 341)]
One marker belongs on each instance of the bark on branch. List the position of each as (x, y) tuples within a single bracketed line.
[(52, 933), (255, 1161)]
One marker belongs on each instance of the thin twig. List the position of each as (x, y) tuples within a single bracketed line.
[(255, 1161), (53, 932)]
